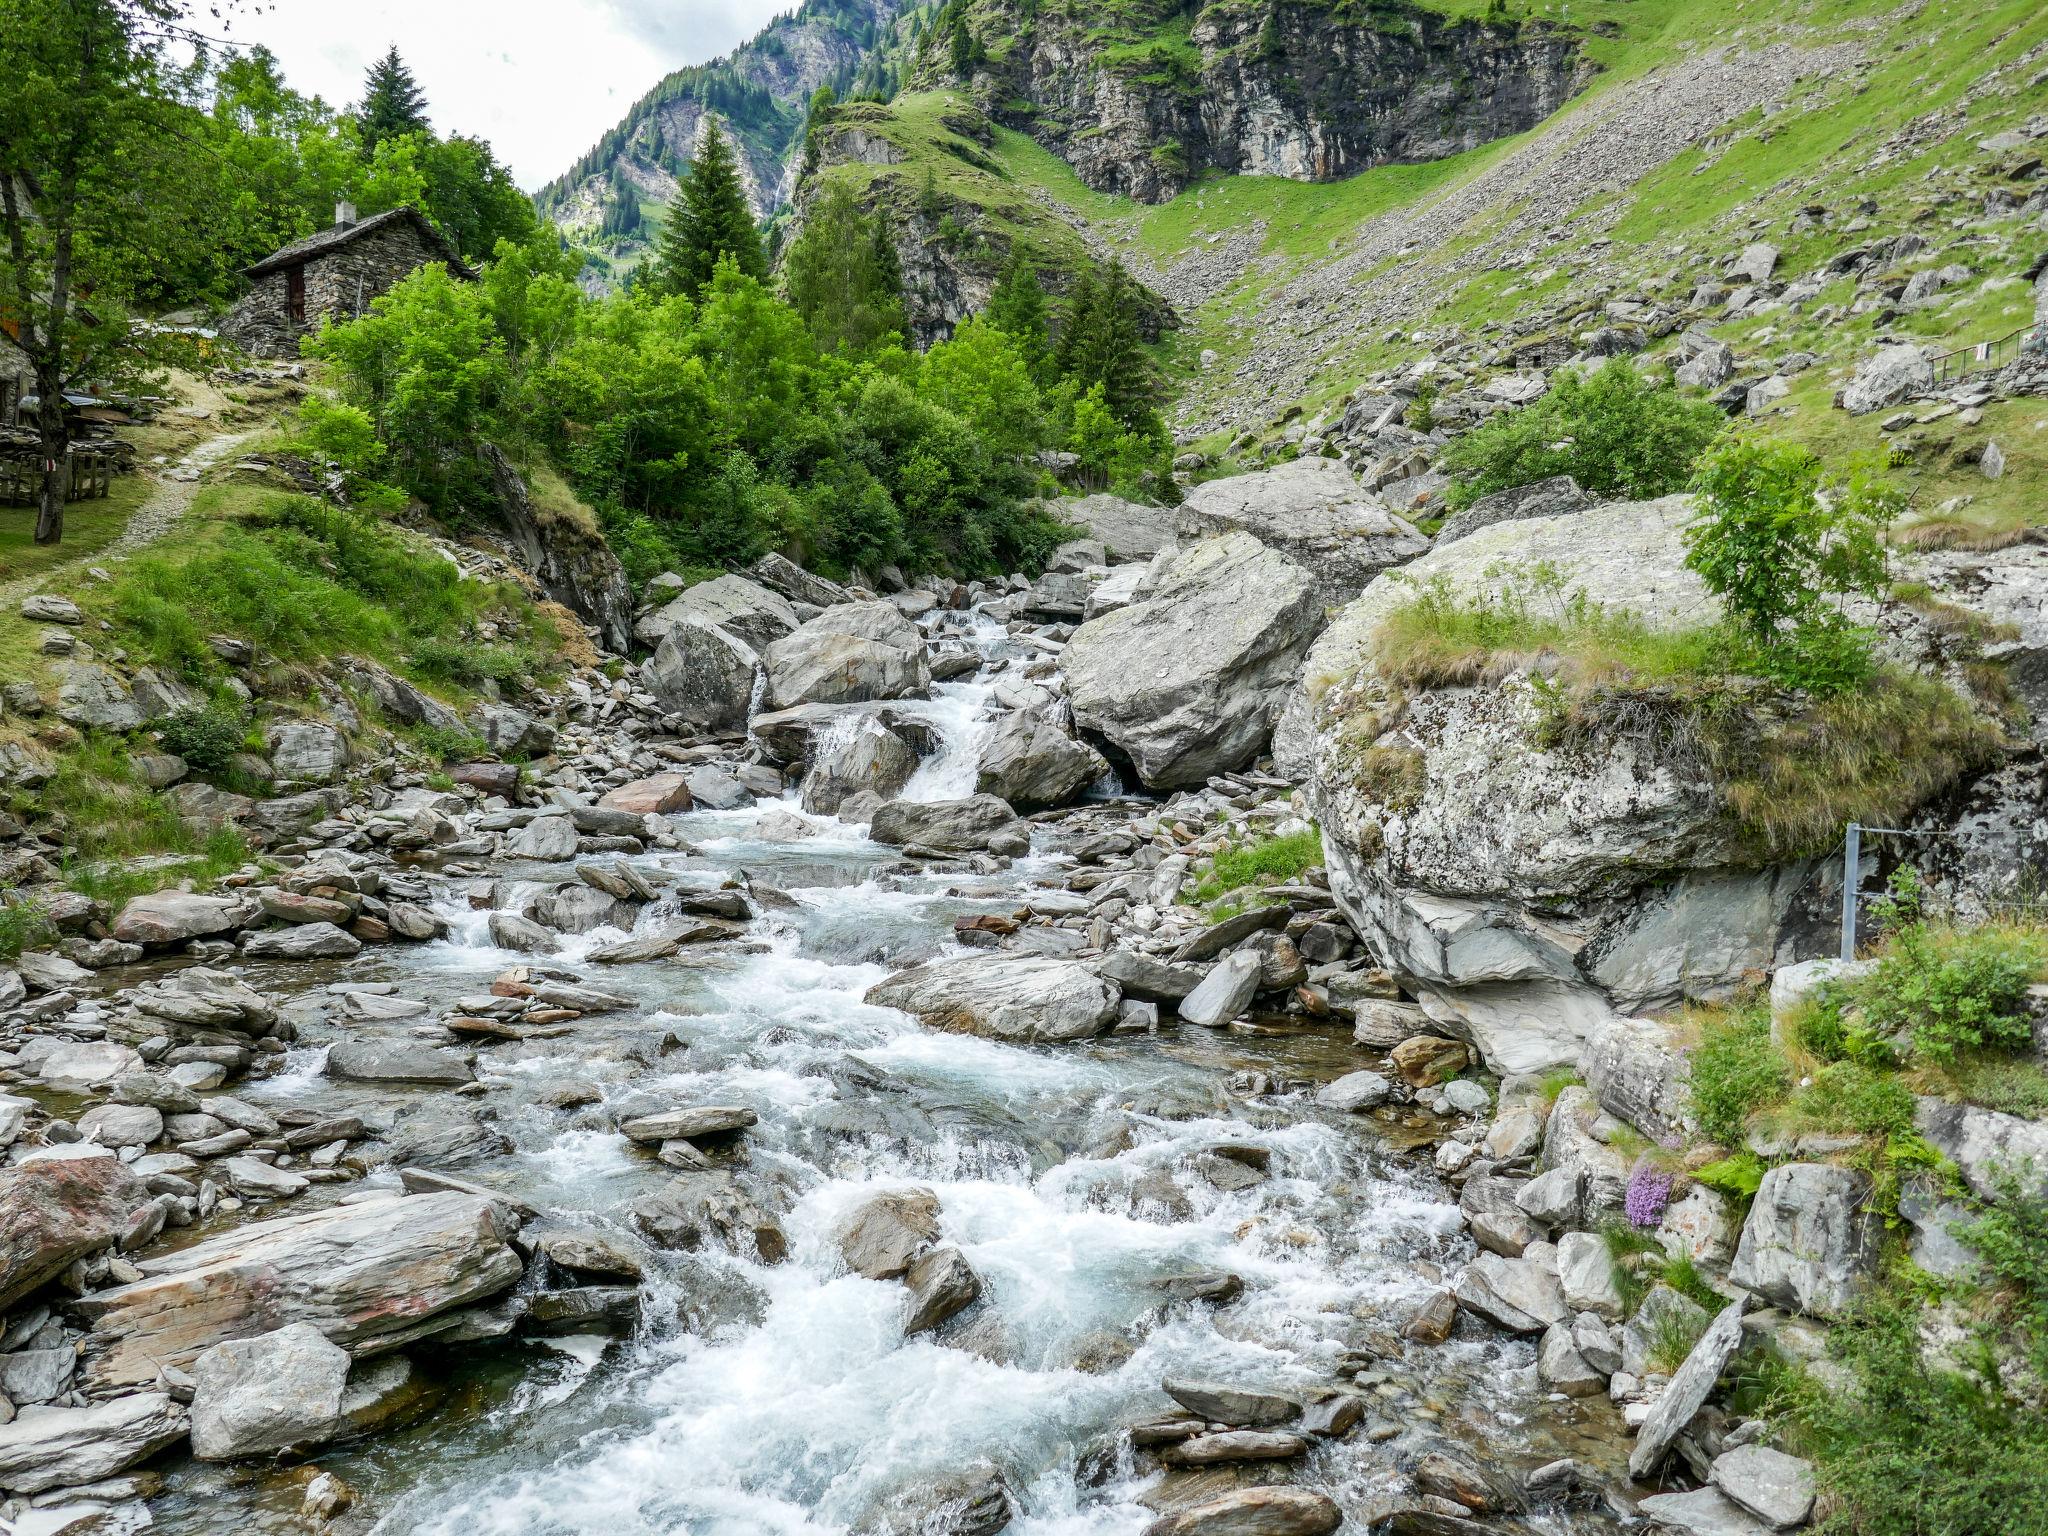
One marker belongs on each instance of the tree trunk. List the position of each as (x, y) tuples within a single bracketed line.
[(54, 443)]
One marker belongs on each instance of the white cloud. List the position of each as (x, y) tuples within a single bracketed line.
[(541, 79)]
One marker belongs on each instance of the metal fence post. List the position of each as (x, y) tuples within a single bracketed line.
[(1852, 859)]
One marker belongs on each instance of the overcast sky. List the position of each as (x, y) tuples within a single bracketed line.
[(541, 79)]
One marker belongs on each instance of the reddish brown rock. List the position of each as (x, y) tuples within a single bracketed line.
[(55, 1212), (1425, 1059), (662, 795)]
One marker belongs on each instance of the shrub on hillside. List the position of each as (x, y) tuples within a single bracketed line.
[(206, 738), (1615, 431), (1735, 1072)]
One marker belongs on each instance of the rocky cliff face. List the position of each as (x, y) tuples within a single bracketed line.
[(761, 91), (1272, 89)]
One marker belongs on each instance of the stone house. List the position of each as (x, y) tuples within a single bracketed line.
[(17, 377), (332, 275)]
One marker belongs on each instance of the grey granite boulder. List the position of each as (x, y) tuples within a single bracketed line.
[(1005, 998), (1315, 512), (747, 610), (1035, 765), (275, 1390), (848, 654), (953, 826), (1184, 684), (1553, 497), (704, 673), (64, 1447), (1809, 1243)]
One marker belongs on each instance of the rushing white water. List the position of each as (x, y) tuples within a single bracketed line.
[(784, 1398)]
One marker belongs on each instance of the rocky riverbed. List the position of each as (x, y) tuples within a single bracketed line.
[(807, 1097)]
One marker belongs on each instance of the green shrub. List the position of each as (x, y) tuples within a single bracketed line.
[(1736, 1070), (23, 925), (1849, 1096), (1614, 431), (445, 745), (222, 853), (1776, 539), (206, 738), (471, 662), (1955, 988)]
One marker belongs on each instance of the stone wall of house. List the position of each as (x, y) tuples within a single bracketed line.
[(17, 378), (340, 283)]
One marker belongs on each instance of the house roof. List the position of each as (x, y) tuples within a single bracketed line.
[(325, 241)]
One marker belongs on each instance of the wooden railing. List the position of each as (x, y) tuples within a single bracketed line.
[(1982, 356)]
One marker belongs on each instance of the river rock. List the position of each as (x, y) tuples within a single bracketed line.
[(75, 1066), (663, 794), (396, 1061), (1233, 1445), (1143, 976), (1226, 991), (1255, 1512), (1688, 1390), (1809, 1243), (172, 917), (705, 674), (887, 1232), (1240, 1407), (953, 826), (547, 838), (1184, 685), (511, 931), (1028, 999), (370, 1277), (855, 754), (304, 941), (691, 1124), (66, 1447), (1585, 1271), (266, 1393), (781, 574), (744, 609), (855, 652), (121, 1125), (1563, 1368), (942, 1285), (1702, 1512), (1034, 765), (1776, 1488), (1313, 511), (1355, 1092), (58, 1210), (1662, 1312), (1516, 1294)]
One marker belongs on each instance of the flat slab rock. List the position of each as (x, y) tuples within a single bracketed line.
[(688, 1124), (370, 1277), (1025, 999), (1255, 1512), (65, 1447)]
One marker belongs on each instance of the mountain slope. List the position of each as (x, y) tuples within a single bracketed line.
[(610, 200)]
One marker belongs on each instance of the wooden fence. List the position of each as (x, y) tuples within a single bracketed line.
[(21, 477)]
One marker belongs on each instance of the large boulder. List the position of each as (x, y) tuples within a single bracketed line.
[(57, 1210), (1610, 880), (306, 752), (856, 754), (371, 1277), (1888, 376), (1688, 1390), (93, 698), (1809, 1243), (1313, 511), (704, 673), (1129, 530), (951, 826), (172, 917), (1987, 1146), (1024, 998), (744, 609), (1554, 497), (1035, 765), (1185, 684), (276, 1390), (849, 654)]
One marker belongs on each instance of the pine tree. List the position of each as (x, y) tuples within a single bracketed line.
[(1016, 307), (393, 103), (709, 219), (1099, 344)]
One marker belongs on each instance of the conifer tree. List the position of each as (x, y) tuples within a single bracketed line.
[(1016, 307), (709, 219), (843, 276), (393, 103), (1099, 344)]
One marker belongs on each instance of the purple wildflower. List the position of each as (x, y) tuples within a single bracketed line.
[(1649, 1191)]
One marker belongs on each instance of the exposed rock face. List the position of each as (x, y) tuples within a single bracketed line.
[(1129, 530), (1608, 881), (1183, 685), (1007, 999), (369, 1277), (1808, 1244), (56, 1210), (1886, 377), (1277, 93), (1313, 511), (846, 655), (568, 557)]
